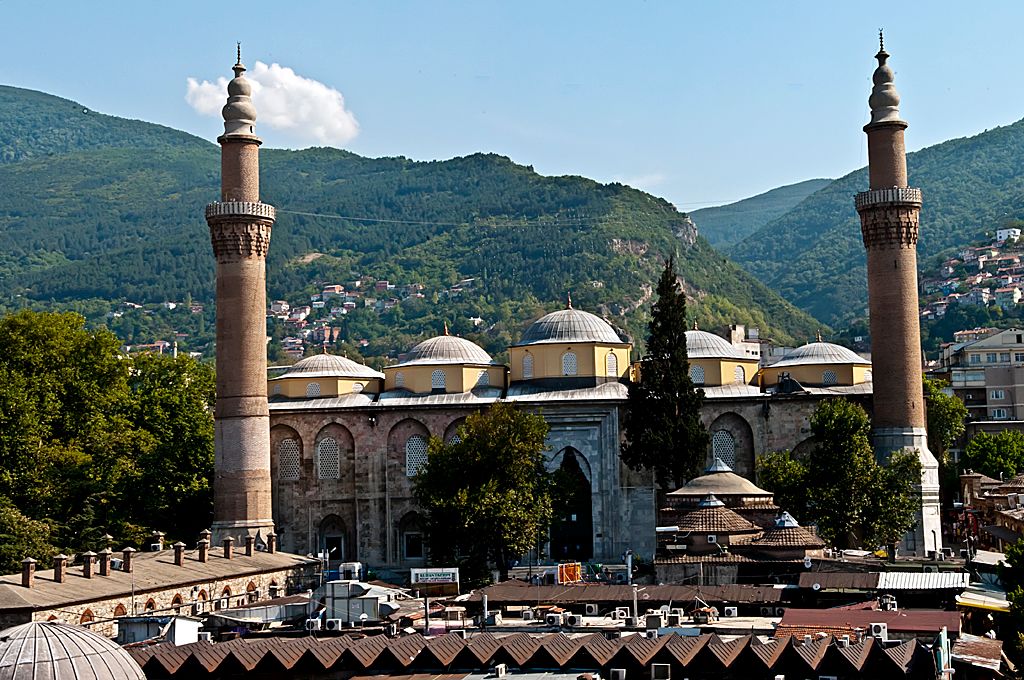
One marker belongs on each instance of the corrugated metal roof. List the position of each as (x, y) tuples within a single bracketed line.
[(915, 580)]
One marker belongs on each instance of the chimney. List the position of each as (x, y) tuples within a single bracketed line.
[(87, 560), (60, 568), (204, 546), (156, 541), (271, 543), (228, 543), (108, 540), (105, 562), (205, 534), (28, 571), (179, 553), (250, 543), (126, 555)]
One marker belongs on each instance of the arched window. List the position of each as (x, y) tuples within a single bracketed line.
[(569, 363), (697, 374), (527, 365), (226, 592), (828, 378), (740, 375), (150, 605), (313, 390), (723, 446), (484, 379), (119, 610), (611, 365), (87, 617), (277, 389), (437, 381), (455, 439), (415, 454), (328, 459), (357, 387), (399, 379), (288, 460), (176, 602)]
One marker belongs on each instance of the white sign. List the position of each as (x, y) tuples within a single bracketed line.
[(438, 576)]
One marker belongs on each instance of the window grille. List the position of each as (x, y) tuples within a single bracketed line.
[(455, 439), (313, 390), (415, 454), (399, 379), (740, 375), (697, 374), (328, 459), (528, 365), (829, 378), (569, 363), (288, 460), (484, 379), (437, 381), (723, 446), (611, 365), (867, 376)]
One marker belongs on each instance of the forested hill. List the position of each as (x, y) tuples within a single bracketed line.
[(814, 257), (726, 225), (101, 220)]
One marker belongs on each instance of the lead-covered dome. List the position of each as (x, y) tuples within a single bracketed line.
[(329, 366), (704, 345), (569, 326), (820, 353), (50, 650), (446, 349)]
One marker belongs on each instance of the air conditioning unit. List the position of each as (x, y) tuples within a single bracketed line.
[(116, 563), (879, 630), (618, 674), (654, 621), (553, 619), (680, 612), (620, 613), (154, 547), (766, 611), (500, 670), (574, 620), (312, 624), (712, 538), (843, 641), (651, 634), (828, 677), (730, 612), (591, 609), (205, 636), (632, 622), (931, 569), (780, 611), (673, 620), (661, 671), (808, 639), (333, 624), (527, 614)]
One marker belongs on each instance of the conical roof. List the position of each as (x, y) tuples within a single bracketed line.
[(786, 532), (570, 325), (712, 517), (47, 650), (446, 349), (328, 366)]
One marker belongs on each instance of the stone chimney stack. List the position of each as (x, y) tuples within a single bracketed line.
[(204, 548), (240, 227), (271, 543), (250, 543), (126, 557), (889, 213), (179, 553), (28, 572), (60, 568), (228, 543), (87, 563), (105, 562)]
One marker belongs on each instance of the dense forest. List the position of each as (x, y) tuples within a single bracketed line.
[(813, 255), (98, 209)]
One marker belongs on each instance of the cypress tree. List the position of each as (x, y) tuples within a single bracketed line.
[(662, 424)]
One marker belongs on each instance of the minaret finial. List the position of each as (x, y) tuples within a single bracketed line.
[(695, 324), (884, 100), (881, 41), (817, 334), (568, 299), (446, 328), (238, 60)]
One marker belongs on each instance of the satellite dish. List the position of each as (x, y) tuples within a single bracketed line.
[(807, 563), (816, 586)]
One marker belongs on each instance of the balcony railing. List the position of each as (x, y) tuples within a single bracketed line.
[(241, 209), (895, 195)]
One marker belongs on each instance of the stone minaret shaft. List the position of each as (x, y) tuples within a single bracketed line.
[(240, 233), (889, 213)]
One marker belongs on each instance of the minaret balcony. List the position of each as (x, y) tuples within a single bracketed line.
[(240, 210), (896, 196)]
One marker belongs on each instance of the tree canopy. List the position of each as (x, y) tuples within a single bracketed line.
[(947, 418), (662, 427), (487, 494), (995, 455)]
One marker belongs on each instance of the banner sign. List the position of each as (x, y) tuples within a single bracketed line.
[(436, 582)]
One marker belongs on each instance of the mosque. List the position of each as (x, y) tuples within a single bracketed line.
[(325, 454)]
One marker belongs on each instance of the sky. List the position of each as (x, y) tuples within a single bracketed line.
[(701, 103)]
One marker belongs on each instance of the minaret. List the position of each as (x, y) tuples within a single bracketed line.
[(889, 217), (240, 232)]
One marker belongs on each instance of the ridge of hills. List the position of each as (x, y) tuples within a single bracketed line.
[(813, 255), (726, 225), (99, 209)]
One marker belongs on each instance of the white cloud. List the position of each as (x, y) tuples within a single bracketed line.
[(306, 110)]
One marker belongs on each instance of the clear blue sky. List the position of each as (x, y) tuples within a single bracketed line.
[(699, 102)]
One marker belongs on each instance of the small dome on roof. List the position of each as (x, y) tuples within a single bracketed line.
[(446, 349), (821, 353), (719, 480), (569, 325), (47, 649), (329, 366), (704, 345)]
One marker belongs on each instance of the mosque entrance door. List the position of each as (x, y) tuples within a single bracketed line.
[(332, 539), (572, 531)]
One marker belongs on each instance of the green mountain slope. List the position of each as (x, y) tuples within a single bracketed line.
[(726, 225), (103, 223), (814, 257)]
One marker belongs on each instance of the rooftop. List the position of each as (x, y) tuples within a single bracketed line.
[(704, 345), (328, 366), (57, 651), (446, 349), (570, 326), (820, 353)]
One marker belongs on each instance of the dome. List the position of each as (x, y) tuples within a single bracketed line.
[(569, 325), (446, 349), (51, 651), (328, 366), (704, 345), (719, 480), (820, 353)]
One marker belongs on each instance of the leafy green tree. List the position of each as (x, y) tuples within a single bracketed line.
[(893, 501), (488, 497), (947, 418), (995, 454), (786, 477), (662, 426), (1012, 576), (22, 537)]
